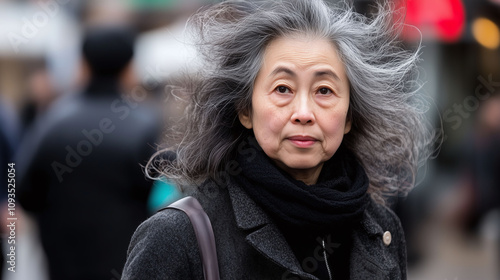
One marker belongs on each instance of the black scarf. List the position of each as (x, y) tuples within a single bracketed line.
[(337, 200)]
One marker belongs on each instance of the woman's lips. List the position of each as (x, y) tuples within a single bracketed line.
[(302, 141)]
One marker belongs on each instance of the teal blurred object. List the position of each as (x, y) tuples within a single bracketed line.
[(162, 194), (152, 4)]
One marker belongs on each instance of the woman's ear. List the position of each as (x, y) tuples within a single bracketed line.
[(347, 126), (245, 119), (348, 121)]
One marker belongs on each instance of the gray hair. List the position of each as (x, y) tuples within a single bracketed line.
[(390, 135)]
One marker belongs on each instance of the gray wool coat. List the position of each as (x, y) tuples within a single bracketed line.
[(250, 246)]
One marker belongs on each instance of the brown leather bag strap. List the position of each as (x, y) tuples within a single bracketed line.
[(204, 234)]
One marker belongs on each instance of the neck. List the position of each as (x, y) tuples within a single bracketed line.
[(103, 86), (308, 176)]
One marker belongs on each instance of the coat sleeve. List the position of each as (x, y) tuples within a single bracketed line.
[(33, 171), (164, 247)]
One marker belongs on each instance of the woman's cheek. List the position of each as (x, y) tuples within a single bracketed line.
[(334, 137), (268, 135)]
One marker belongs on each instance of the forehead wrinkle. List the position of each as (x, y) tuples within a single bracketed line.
[(292, 62)]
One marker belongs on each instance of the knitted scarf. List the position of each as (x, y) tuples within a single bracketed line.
[(337, 199)]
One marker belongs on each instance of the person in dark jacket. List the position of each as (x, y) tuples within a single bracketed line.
[(303, 123), (80, 168)]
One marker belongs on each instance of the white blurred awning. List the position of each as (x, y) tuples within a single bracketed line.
[(42, 29), (162, 53), (35, 29)]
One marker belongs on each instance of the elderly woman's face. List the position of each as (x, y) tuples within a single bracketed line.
[(299, 105)]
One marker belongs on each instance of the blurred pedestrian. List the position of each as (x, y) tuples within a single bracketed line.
[(80, 167), (9, 138), (482, 163), (41, 93)]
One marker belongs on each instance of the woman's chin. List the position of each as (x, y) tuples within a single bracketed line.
[(301, 164)]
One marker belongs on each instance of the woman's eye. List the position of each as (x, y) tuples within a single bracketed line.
[(282, 89), (325, 91)]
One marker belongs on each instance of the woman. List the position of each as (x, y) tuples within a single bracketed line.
[(304, 121)]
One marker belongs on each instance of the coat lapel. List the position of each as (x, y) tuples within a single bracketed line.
[(370, 258), (262, 234)]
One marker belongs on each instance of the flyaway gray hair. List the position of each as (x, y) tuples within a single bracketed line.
[(390, 135)]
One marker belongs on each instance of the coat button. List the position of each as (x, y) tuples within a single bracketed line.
[(387, 238)]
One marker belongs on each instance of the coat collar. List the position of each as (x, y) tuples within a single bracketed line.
[(262, 233), (369, 256), (369, 223), (248, 214)]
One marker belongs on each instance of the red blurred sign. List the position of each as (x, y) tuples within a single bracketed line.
[(439, 19)]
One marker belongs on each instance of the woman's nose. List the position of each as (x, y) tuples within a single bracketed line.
[(303, 111)]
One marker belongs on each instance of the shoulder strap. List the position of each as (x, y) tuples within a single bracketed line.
[(204, 234)]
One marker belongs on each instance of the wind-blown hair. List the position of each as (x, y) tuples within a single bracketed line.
[(389, 134)]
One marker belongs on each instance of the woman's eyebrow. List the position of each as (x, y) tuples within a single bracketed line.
[(288, 71), (327, 73), (282, 69)]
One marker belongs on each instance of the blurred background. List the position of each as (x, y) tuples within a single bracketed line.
[(451, 219)]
